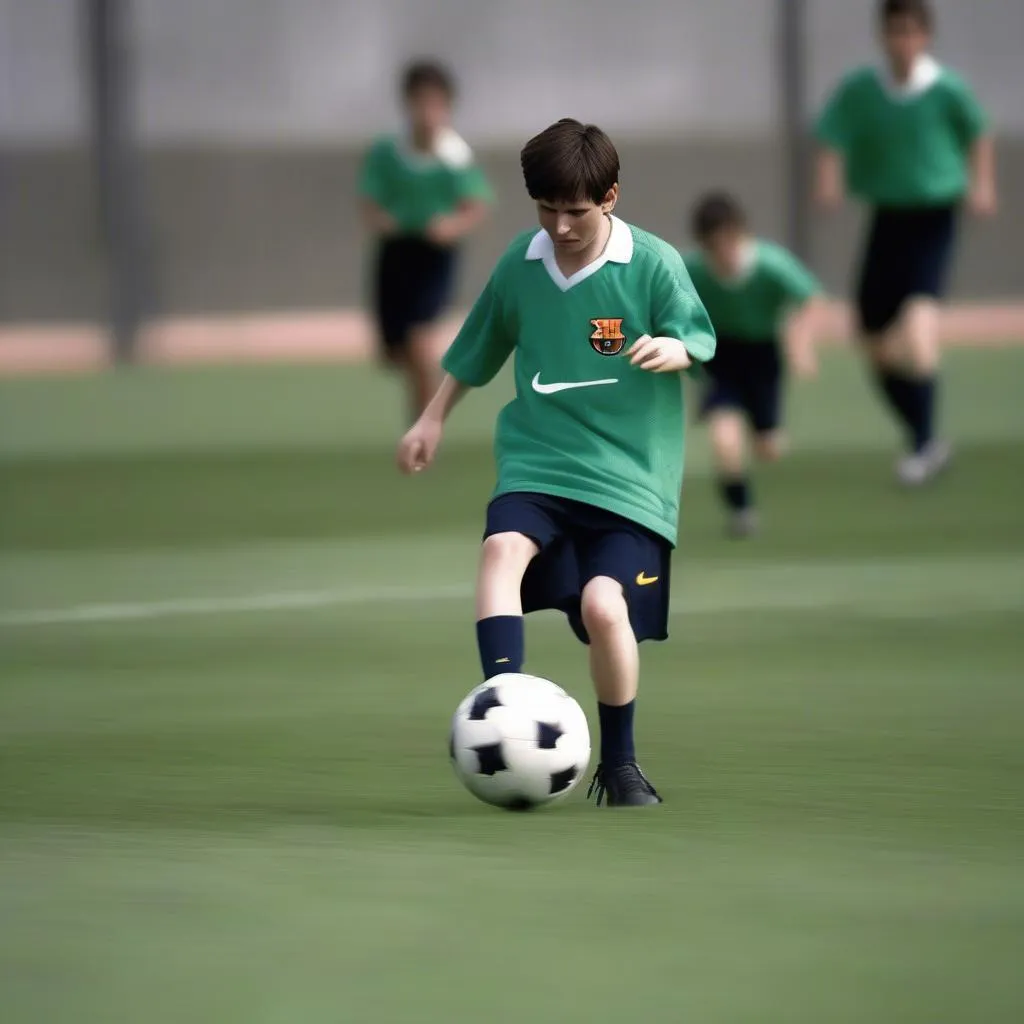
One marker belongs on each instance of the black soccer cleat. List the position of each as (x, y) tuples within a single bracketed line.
[(624, 785)]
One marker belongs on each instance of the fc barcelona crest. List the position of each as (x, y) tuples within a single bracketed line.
[(607, 339)]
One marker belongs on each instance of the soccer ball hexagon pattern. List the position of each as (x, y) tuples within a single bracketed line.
[(518, 741)]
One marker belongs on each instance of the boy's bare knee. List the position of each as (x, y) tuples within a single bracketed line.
[(508, 549), (920, 324), (603, 605), (727, 439)]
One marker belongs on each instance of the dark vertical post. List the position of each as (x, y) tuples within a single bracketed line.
[(110, 89), (792, 76)]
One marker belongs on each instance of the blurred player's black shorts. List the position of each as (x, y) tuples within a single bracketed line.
[(746, 376), (579, 541), (907, 254), (413, 286)]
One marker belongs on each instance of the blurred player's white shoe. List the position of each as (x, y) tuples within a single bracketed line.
[(920, 467), (744, 523)]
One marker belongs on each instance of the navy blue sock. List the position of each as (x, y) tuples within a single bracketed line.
[(735, 492), (616, 733), (501, 642), (922, 406), (901, 396)]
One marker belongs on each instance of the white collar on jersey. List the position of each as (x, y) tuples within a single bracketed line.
[(923, 75), (747, 265), (449, 149), (618, 249)]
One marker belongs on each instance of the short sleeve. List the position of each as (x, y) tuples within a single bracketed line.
[(794, 280), (677, 310), (692, 262), (472, 183), (969, 118), (372, 174), (485, 341), (833, 126)]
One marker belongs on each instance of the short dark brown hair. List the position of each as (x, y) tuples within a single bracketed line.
[(570, 161), (920, 10), (427, 74), (715, 211)]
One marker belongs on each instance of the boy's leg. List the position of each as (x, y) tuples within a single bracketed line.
[(624, 600), (722, 408), (504, 558), (881, 293), (614, 665), (728, 431), (903, 278), (920, 323), (519, 525), (884, 356), (764, 402), (503, 561), (921, 355), (905, 362)]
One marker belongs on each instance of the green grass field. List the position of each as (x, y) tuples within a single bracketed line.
[(231, 637)]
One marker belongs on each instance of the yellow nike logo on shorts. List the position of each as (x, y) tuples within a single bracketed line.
[(644, 581), (502, 661)]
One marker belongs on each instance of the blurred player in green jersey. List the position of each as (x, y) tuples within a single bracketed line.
[(912, 142), (422, 193), (760, 300), (602, 319)]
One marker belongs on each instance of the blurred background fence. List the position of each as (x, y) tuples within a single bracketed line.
[(251, 116)]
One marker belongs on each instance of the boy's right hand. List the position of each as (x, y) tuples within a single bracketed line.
[(417, 449)]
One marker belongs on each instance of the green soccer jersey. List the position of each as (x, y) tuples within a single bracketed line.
[(750, 307), (906, 147), (585, 424), (413, 187)]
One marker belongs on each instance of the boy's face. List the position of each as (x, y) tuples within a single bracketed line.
[(725, 249), (429, 109), (574, 226), (904, 39)]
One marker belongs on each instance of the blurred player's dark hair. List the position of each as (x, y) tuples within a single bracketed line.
[(570, 161), (427, 74), (715, 211), (920, 10)]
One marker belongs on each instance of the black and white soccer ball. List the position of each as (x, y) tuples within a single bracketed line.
[(519, 741)]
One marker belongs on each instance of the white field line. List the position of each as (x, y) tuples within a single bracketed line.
[(123, 611), (815, 587)]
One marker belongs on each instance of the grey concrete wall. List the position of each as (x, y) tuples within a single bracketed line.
[(320, 71), (253, 113)]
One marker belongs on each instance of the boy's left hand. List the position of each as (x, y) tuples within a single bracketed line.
[(659, 355)]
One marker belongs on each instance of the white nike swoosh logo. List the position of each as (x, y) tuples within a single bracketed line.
[(567, 385)]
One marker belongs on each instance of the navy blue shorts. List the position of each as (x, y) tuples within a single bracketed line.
[(907, 255), (577, 542), (746, 376), (414, 281)]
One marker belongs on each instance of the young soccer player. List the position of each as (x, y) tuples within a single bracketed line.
[(602, 319), (913, 143), (749, 287), (422, 194)]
